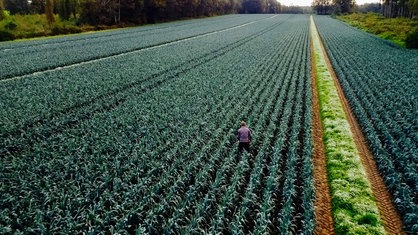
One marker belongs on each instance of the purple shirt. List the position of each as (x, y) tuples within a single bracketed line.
[(244, 134)]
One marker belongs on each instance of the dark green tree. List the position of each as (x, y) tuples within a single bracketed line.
[(108, 12), (343, 6), (17, 6), (273, 7), (172, 9), (253, 6), (2, 15), (322, 7), (130, 11), (49, 12), (413, 7), (412, 39), (90, 12), (369, 7), (153, 10), (400, 8), (37, 7), (66, 8)]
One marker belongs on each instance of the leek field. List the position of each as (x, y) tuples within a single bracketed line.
[(133, 131)]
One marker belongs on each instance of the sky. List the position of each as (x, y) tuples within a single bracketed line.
[(309, 2)]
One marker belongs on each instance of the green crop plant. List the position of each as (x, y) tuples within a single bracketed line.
[(133, 131)]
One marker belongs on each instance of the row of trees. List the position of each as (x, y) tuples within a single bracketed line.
[(400, 8), (324, 7), (2, 16), (389, 8), (369, 7), (109, 12)]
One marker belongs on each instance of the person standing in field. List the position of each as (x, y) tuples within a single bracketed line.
[(244, 138)]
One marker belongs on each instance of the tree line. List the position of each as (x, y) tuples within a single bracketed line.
[(400, 8), (389, 8), (110, 12), (325, 7)]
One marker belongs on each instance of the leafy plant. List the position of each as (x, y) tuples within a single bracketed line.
[(109, 133), (411, 40)]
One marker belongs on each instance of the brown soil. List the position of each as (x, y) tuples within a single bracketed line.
[(389, 215), (322, 203)]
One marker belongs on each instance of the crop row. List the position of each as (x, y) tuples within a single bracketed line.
[(28, 57), (86, 92), (379, 81), (164, 159)]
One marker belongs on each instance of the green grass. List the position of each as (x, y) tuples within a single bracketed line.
[(393, 29), (24, 27), (36, 25), (353, 205)]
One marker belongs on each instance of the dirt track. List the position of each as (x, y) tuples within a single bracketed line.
[(390, 217)]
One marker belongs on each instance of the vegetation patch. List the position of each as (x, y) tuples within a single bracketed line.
[(145, 139), (29, 26), (353, 206), (398, 30)]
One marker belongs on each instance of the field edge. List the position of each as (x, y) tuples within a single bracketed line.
[(388, 214)]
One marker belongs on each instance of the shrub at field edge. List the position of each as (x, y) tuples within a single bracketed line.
[(397, 30), (30, 26)]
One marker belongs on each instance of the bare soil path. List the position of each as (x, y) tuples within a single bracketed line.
[(390, 217)]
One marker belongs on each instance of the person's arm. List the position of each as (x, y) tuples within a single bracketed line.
[(249, 134), (238, 135)]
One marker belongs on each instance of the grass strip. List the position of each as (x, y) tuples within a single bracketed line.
[(353, 206), (392, 29)]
